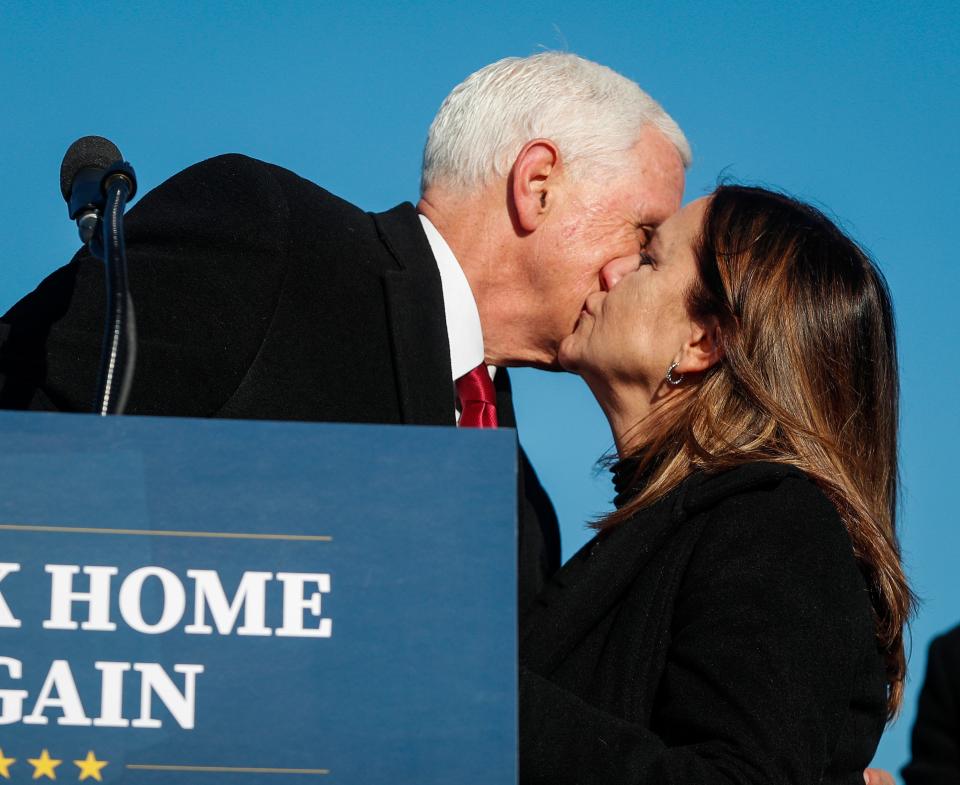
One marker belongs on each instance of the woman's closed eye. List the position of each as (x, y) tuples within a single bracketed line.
[(646, 258)]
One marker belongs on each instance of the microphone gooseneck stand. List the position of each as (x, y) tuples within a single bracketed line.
[(119, 355), (97, 184)]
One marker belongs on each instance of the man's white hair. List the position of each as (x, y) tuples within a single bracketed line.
[(592, 113)]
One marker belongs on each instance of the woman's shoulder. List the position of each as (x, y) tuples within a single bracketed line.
[(758, 489), (773, 516), (756, 482)]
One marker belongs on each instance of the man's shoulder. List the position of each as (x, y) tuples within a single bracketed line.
[(234, 169), (234, 195), (234, 177)]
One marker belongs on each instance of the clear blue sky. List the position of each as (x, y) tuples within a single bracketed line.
[(851, 104)]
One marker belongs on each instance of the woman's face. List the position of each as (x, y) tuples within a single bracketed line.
[(633, 333)]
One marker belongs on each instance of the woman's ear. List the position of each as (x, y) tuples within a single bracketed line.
[(703, 350), (533, 179)]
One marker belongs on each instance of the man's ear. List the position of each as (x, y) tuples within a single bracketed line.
[(534, 176), (703, 350)]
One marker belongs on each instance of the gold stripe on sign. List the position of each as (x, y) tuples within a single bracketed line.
[(24, 527), (222, 769)]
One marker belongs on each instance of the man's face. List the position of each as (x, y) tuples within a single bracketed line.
[(599, 224)]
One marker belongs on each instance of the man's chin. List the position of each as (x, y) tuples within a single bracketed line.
[(539, 364), (555, 366), (543, 357)]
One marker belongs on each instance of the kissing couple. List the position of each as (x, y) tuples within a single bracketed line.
[(739, 616)]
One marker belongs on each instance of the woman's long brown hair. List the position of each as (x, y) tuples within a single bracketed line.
[(809, 378)]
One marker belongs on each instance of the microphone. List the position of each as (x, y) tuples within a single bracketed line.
[(97, 184), (88, 169)]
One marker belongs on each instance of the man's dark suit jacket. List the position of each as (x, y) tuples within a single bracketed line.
[(722, 635), (935, 745), (260, 295)]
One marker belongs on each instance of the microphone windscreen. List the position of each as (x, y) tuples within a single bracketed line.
[(88, 151)]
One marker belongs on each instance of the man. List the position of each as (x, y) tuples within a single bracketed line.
[(260, 295)]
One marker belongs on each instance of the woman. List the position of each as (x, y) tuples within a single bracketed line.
[(738, 618)]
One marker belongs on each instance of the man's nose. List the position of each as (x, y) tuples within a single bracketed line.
[(613, 271)]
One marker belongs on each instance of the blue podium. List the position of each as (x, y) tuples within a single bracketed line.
[(213, 601)]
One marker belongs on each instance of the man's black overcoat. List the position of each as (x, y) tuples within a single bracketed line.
[(260, 295)]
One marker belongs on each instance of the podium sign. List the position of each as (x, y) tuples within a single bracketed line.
[(212, 601)]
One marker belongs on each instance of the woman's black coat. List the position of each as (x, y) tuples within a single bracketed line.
[(722, 635)]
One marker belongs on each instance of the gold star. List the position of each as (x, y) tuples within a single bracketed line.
[(5, 765), (44, 766), (90, 767)]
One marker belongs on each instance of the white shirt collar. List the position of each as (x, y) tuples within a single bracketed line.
[(459, 306)]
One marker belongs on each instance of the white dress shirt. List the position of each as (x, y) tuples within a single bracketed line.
[(464, 332)]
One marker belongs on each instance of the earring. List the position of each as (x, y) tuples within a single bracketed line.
[(671, 379)]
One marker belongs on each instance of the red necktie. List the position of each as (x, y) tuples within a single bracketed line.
[(478, 399)]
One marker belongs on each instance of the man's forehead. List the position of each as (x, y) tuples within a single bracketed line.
[(655, 150), (652, 178)]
